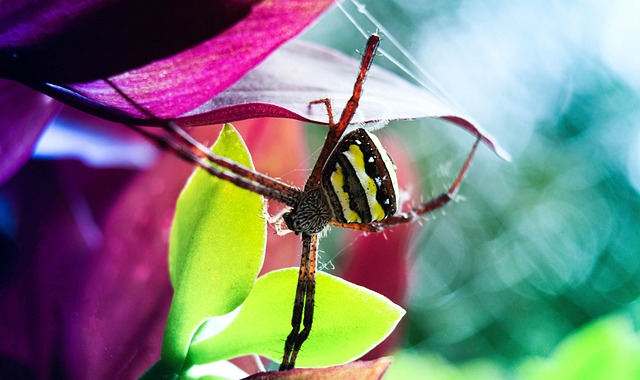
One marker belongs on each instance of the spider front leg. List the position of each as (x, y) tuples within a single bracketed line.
[(327, 104), (304, 302), (336, 130)]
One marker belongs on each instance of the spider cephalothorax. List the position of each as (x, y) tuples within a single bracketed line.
[(311, 215)]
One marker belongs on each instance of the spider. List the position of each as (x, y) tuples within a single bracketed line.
[(352, 185)]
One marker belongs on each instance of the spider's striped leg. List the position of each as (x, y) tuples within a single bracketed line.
[(280, 191), (286, 194), (191, 150), (304, 302), (337, 130)]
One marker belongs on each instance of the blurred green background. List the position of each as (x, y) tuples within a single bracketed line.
[(543, 245)]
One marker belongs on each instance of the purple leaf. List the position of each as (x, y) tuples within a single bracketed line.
[(23, 115), (55, 207)]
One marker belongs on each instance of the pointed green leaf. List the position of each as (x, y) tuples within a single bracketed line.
[(216, 249), (348, 321)]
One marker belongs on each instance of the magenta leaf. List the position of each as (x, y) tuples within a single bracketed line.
[(282, 86), (191, 51), (171, 57), (115, 36), (23, 115)]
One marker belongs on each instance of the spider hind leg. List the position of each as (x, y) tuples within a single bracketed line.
[(433, 204), (304, 302)]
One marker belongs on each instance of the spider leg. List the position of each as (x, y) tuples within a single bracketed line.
[(417, 212), (290, 194), (362, 227), (250, 183), (433, 204), (191, 150), (309, 300), (305, 291), (327, 104), (337, 130), (304, 302)]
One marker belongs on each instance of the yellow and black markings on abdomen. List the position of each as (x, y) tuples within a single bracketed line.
[(359, 179)]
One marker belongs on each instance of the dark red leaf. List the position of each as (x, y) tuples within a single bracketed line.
[(360, 370)]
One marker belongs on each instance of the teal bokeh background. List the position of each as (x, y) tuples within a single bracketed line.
[(540, 246)]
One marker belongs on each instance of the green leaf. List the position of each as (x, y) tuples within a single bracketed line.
[(605, 349), (410, 365), (349, 320), (216, 250)]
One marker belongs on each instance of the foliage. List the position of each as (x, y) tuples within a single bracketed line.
[(608, 348), (218, 312)]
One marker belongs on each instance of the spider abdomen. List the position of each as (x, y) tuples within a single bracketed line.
[(359, 180)]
